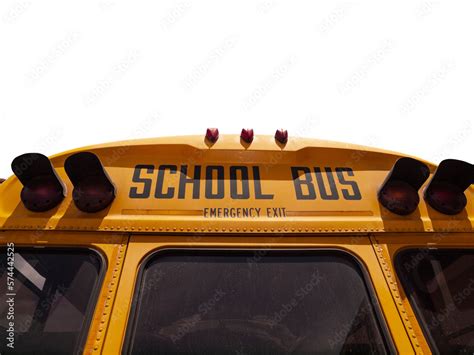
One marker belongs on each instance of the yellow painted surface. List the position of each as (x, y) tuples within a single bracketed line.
[(131, 228), (274, 162)]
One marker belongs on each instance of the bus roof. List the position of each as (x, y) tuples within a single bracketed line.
[(338, 190), (233, 142)]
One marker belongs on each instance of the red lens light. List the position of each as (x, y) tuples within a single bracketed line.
[(399, 197), (445, 192), (212, 135), (92, 195), (93, 189), (281, 135), (446, 198), (42, 188), (41, 194), (399, 191), (247, 135)]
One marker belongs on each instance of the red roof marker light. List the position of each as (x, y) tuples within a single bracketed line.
[(247, 135), (212, 135), (281, 135)]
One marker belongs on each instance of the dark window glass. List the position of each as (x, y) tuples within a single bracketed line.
[(55, 293), (440, 286), (254, 302)]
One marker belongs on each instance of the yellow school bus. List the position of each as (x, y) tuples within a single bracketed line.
[(236, 245)]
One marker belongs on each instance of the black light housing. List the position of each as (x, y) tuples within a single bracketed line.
[(399, 191), (42, 187), (93, 189), (445, 192)]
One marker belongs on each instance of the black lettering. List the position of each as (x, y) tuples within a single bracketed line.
[(332, 184), (245, 183), (220, 182), (213, 213), (348, 195), (307, 181), (138, 179), (195, 180), (258, 187), (159, 183)]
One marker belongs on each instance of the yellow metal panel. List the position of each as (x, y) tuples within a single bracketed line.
[(274, 163), (142, 245), (300, 223)]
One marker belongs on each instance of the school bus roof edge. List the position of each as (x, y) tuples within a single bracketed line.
[(233, 142), (171, 215)]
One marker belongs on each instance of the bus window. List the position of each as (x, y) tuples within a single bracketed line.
[(254, 302), (440, 286), (54, 294)]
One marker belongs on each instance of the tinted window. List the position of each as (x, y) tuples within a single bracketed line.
[(440, 286), (54, 299), (256, 302)]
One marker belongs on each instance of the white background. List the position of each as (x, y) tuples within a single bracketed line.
[(395, 75)]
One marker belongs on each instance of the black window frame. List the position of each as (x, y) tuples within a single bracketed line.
[(408, 288), (374, 302), (103, 267)]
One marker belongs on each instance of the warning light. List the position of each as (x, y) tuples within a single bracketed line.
[(212, 135), (281, 135), (445, 192), (42, 188), (399, 192), (247, 135), (93, 189)]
